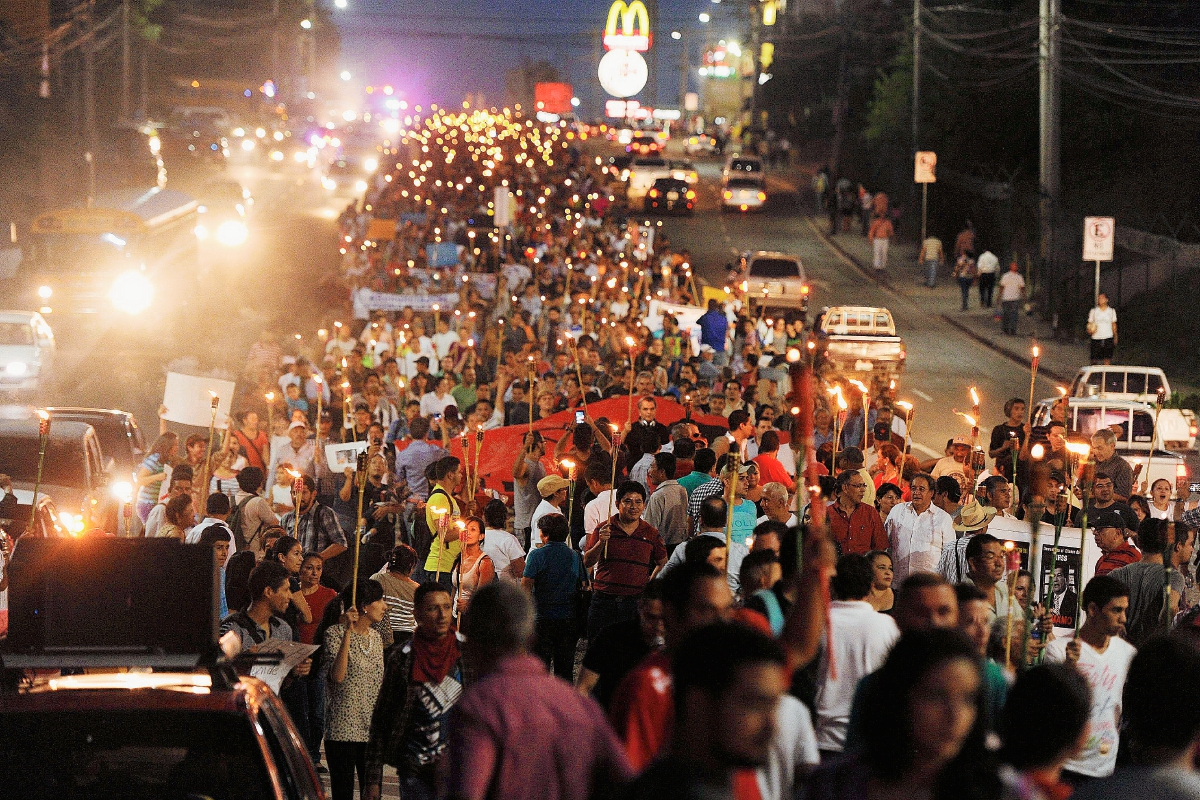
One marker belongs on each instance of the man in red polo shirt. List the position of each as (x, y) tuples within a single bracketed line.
[(627, 552), (769, 466), (855, 525)]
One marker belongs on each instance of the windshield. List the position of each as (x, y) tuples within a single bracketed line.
[(745, 165), (114, 441), (16, 333), (130, 755), (743, 183), (64, 465), (649, 162), (72, 253), (774, 268)]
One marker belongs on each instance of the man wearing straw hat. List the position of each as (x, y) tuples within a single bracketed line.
[(972, 520)]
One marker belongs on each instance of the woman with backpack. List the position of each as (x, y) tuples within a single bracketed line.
[(441, 512)]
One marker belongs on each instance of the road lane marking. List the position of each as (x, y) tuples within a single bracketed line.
[(922, 395)]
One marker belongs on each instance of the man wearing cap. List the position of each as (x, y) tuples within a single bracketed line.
[(1104, 500), (956, 462), (707, 371), (1110, 534), (627, 552), (855, 525), (972, 520), (716, 487), (553, 489), (298, 453)]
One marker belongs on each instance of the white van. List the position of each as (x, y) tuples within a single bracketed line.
[(26, 350)]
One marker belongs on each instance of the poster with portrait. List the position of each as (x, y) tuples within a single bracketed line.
[(1063, 579), (343, 455)]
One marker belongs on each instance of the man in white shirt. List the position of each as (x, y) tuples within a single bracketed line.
[(506, 553), (987, 266), (775, 506), (1012, 292), (299, 452), (1102, 327), (216, 512), (1103, 657), (553, 489), (666, 509), (599, 482), (857, 642), (713, 512), (917, 531)]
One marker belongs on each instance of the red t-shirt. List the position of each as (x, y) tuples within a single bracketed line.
[(771, 471), (316, 604), (642, 710)]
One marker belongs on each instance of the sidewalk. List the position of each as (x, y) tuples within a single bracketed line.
[(1059, 360)]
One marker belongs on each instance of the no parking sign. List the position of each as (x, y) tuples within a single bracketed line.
[(1098, 236)]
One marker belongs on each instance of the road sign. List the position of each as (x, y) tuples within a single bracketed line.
[(1099, 234), (926, 168)]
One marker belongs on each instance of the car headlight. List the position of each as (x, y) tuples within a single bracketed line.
[(201, 232), (247, 145), (132, 293), (232, 233), (370, 165), (44, 292), (329, 183), (16, 368), (360, 186)]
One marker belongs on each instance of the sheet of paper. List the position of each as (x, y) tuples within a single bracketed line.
[(188, 400), (291, 654), (342, 455)]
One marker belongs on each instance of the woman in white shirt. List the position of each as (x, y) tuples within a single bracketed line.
[(1161, 504), (1102, 327)]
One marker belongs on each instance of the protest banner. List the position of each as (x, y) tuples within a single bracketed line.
[(188, 400), (383, 301), (687, 317), (442, 254)]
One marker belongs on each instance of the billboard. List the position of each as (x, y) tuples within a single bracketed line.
[(553, 98), (628, 27)]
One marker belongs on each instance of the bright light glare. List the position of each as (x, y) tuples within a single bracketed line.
[(201, 232), (370, 164), (260, 132), (123, 491), (277, 155), (232, 233), (705, 17), (349, 116), (306, 24), (44, 292), (329, 183), (339, 3), (360, 186), (345, 75), (16, 368), (676, 35), (247, 145), (131, 293)]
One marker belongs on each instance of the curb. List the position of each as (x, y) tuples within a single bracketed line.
[(867, 272), (1011, 356)]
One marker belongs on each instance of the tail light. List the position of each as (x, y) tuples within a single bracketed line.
[(692, 196), (804, 289), (762, 196), (654, 192), (728, 195), (1191, 430), (1181, 471)]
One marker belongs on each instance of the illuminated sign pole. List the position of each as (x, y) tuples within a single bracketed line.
[(623, 72)]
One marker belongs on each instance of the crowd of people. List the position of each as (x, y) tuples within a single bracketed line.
[(608, 549)]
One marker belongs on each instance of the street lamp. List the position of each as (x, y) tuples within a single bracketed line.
[(306, 24), (676, 35), (339, 3), (705, 17)]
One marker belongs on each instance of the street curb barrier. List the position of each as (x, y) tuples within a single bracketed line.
[(1010, 355)]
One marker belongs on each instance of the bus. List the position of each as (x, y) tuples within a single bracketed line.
[(112, 257)]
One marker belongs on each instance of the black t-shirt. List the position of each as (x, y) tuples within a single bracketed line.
[(615, 652), (1000, 434), (1131, 520)]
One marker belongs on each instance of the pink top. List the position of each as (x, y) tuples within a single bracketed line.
[(519, 732)]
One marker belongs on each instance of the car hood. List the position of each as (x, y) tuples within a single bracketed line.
[(63, 496)]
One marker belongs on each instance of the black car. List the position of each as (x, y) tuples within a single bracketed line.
[(671, 196), (118, 432)]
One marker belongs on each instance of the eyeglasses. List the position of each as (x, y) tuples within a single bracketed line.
[(856, 485)]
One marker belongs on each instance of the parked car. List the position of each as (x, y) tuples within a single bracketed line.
[(776, 280), (74, 471), (862, 340), (670, 196), (120, 437), (743, 194), (26, 351)]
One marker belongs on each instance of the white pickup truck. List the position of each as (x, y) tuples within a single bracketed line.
[(1133, 423), (862, 340)]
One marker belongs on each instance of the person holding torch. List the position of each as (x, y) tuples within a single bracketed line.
[(441, 511)]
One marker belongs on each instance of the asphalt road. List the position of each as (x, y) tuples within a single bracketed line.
[(942, 362), (119, 362)]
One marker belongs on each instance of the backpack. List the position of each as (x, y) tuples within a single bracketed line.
[(234, 522)]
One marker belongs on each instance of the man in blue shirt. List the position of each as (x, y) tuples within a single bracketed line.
[(553, 573), (412, 460), (713, 328)]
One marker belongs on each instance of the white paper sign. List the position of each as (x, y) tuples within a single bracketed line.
[(291, 654), (188, 400), (1098, 236), (343, 454), (687, 317)]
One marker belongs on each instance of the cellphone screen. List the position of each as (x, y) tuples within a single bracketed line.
[(579, 417)]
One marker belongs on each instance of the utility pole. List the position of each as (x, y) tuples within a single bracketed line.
[(1048, 162), (916, 69), (275, 45), (89, 87), (683, 75), (126, 109)]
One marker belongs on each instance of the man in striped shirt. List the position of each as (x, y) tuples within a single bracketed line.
[(1111, 538), (626, 552)]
